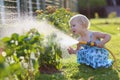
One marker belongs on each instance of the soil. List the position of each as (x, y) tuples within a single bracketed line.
[(48, 69)]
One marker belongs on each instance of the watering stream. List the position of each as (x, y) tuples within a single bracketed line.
[(43, 27)]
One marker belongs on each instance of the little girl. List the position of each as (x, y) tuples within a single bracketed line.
[(94, 56)]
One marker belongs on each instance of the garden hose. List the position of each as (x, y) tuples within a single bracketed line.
[(94, 44)]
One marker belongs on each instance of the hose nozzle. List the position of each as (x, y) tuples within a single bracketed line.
[(88, 43)]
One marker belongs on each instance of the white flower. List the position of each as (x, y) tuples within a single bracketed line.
[(12, 41), (16, 42), (3, 54)]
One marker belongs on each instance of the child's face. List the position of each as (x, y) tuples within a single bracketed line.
[(76, 27)]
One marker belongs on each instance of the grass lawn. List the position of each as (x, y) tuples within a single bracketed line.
[(73, 71)]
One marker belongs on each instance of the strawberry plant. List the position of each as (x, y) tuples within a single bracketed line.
[(18, 49), (50, 59), (24, 54)]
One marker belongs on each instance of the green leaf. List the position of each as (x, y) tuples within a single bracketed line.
[(15, 36), (6, 39)]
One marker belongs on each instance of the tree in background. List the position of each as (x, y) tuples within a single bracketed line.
[(90, 7)]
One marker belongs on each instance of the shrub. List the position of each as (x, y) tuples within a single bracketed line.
[(112, 15), (58, 17), (25, 53), (92, 3), (50, 58), (18, 49)]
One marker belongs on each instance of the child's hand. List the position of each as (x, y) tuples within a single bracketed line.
[(71, 50), (100, 45)]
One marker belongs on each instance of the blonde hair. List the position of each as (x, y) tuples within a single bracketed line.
[(81, 19)]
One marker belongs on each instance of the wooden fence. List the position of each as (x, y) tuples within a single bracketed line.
[(10, 9)]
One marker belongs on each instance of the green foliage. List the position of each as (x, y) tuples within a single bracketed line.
[(18, 49), (92, 3), (58, 17), (112, 15), (23, 45), (52, 53), (25, 53)]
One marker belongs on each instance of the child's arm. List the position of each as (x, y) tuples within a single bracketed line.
[(104, 38)]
